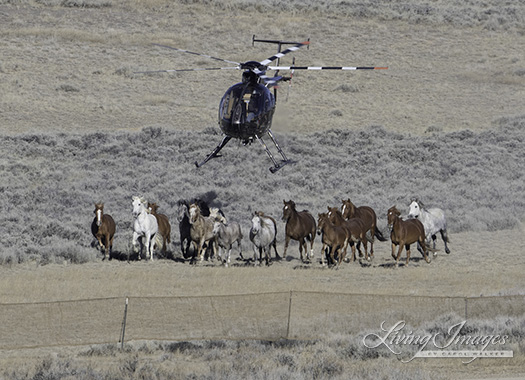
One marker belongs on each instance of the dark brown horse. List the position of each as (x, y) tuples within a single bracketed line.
[(404, 233), (103, 228), (164, 225), (334, 237), (356, 229), (299, 226), (369, 218)]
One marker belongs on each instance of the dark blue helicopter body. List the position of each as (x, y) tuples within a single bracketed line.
[(246, 110)]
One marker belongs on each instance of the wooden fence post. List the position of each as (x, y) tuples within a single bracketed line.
[(123, 330), (289, 316)]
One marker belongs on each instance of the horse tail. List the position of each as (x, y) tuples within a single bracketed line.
[(430, 249), (379, 235), (158, 240)]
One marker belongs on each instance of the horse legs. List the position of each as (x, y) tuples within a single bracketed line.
[(401, 245), (200, 249), (312, 238), (444, 236), (274, 243), (301, 245), (134, 242), (110, 246), (220, 254), (188, 245), (407, 247), (333, 250), (372, 231), (342, 251), (164, 245), (106, 248), (102, 246), (393, 250), (182, 247), (352, 247), (323, 253), (365, 244), (425, 254), (255, 249), (240, 248), (267, 255), (150, 246), (286, 242), (227, 263)]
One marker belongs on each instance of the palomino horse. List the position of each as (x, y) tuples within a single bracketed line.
[(404, 233), (369, 218), (262, 235), (299, 226), (356, 230), (226, 235), (145, 226), (103, 228), (201, 231), (433, 220), (164, 225), (333, 237), (183, 216)]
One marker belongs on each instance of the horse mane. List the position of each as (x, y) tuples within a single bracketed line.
[(203, 206), (418, 201), (183, 202)]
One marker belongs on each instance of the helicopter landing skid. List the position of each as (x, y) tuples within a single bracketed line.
[(277, 165), (215, 152)]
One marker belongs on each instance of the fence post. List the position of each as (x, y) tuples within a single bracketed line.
[(289, 316), (123, 330)]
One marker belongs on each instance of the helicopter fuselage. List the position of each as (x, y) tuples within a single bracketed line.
[(246, 111)]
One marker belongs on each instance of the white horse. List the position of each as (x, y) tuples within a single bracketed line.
[(433, 220), (262, 235), (145, 226), (226, 235)]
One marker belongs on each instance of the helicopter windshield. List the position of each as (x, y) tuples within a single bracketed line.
[(245, 102)]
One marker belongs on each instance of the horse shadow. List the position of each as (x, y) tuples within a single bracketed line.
[(414, 261)]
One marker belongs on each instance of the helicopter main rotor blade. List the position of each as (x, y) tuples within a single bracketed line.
[(198, 54), (325, 68), (283, 53), (181, 70)]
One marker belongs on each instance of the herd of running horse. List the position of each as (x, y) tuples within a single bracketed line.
[(205, 231)]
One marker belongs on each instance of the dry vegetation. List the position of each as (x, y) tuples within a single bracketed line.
[(445, 123)]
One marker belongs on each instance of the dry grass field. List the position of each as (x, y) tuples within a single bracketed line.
[(444, 123)]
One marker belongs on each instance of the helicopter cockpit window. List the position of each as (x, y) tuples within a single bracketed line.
[(243, 103)]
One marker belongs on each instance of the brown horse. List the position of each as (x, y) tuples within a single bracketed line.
[(201, 231), (404, 233), (103, 228), (334, 237), (164, 225), (369, 218), (299, 226), (356, 229)]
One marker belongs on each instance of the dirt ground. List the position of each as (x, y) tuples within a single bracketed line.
[(69, 70), (480, 265)]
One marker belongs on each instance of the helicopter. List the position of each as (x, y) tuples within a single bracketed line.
[(246, 109)]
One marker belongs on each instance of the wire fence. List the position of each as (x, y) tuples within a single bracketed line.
[(264, 316)]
